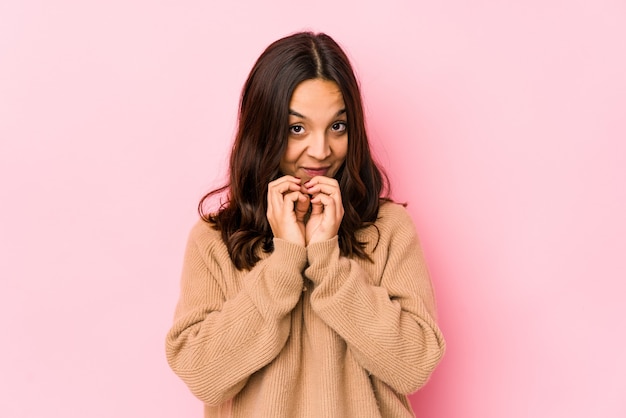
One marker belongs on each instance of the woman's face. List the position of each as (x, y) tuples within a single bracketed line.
[(318, 131)]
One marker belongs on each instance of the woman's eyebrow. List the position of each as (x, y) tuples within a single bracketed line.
[(299, 115), (294, 113)]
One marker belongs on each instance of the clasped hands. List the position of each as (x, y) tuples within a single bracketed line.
[(289, 201)]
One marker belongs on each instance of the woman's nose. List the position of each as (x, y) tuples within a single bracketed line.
[(319, 147)]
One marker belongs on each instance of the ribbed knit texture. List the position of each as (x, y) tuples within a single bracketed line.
[(307, 332)]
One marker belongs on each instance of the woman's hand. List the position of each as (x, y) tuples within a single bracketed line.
[(286, 209), (326, 211)]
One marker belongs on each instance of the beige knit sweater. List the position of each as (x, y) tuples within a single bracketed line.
[(307, 332)]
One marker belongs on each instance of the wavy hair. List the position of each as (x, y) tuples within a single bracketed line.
[(261, 140)]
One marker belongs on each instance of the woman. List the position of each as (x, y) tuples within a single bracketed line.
[(306, 293)]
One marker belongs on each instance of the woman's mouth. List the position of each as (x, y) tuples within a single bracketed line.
[(315, 171)]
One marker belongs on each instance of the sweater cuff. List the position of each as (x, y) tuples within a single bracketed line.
[(279, 285), (289, 256), (321, 255)]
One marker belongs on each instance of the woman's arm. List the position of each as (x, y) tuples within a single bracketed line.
[(388, 322), (217, 342)]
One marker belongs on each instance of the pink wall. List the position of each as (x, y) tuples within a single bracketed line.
[(502, 125)]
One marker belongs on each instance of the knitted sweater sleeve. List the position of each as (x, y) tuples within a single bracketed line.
[(386, 318), (221, 336)]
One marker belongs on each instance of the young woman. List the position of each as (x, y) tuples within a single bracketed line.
[(306, 294)]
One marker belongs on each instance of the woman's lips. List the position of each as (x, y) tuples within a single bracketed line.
[(316, 171)]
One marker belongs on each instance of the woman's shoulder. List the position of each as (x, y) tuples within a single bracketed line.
[(203, 229), (394, 222), (206, 237), (393, 214)]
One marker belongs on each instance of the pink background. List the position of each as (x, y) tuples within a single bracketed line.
[(501, 123)]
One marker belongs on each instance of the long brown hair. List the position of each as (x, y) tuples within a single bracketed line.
[(261, 140)]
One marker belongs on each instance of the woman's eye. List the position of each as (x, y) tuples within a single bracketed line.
[(296, 129), (339, 127)]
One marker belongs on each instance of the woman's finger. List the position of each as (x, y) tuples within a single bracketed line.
[(320, 184), (284, 185)]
